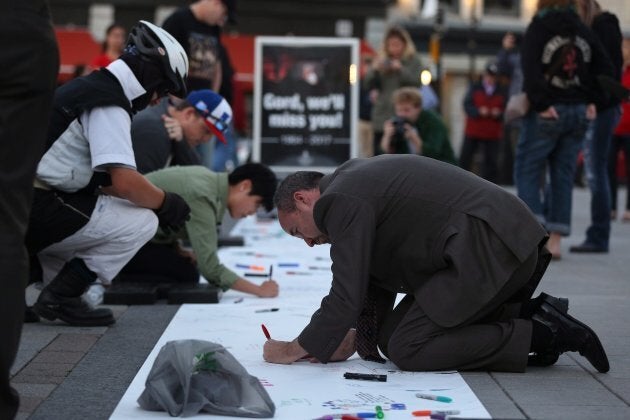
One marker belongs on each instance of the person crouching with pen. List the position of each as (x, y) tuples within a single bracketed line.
[(209, 195), (466, 254)]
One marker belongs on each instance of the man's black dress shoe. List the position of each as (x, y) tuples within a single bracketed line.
[(569, 334), (30, 315), (549, 357), (588, 248), (543, 359), (529, 308), (561, 304)]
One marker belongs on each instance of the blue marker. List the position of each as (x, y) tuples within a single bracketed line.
[(288, 265)]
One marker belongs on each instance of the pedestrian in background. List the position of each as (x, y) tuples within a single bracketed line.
[(508, 61), (621, 143), (198, 28), (397, 65), (115, 38), (561, 58), (484, 105), (605, 25)]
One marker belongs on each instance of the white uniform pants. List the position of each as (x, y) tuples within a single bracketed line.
[(116, 231)]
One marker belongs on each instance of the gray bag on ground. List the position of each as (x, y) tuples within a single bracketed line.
[(191, 376)]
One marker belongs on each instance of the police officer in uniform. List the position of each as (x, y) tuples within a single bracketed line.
[(92, 210)]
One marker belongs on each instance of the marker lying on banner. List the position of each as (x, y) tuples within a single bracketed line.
[(251, 267), (435, 398), (344, 416), (365, 376), (427, 413)]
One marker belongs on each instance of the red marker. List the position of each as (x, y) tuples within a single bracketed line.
[(265, 331)]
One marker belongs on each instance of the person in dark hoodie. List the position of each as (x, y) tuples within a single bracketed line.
[(561, 59), (597, 143)]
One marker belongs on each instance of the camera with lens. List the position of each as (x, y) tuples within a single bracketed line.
[(399, 142)]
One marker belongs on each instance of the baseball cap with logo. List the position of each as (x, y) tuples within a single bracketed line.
[(214, 109)]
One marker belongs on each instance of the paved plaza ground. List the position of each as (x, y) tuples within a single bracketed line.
[(70, 373)]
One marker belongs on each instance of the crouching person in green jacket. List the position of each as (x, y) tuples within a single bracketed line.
[(209, 195)]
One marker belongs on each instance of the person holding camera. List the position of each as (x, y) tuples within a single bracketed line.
[(397, 65), (415, 130)]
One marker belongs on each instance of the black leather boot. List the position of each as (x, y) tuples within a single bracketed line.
[(30, 316), (530, 308), (61, 298), (569, 334), (543, 359)]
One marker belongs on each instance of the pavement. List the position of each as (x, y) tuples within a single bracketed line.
[(67, 373)]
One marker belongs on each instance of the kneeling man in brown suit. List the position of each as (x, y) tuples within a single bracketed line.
[(466, 253)]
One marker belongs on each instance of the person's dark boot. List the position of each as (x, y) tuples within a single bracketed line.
[(546, 357), (61, 298), (543, 359), (569, 334), (30, 316)]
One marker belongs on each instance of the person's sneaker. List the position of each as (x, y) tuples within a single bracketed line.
[(72, 310), (569, 334)]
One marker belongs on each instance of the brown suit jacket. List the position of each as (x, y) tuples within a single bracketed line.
[(414, 225)]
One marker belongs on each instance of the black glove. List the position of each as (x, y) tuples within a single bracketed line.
[(174, 212)]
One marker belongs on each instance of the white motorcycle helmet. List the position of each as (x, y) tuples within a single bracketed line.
[(155, 44)]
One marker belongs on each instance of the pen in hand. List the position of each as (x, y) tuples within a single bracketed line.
[(268, 336), (270, 271), (265, 331)]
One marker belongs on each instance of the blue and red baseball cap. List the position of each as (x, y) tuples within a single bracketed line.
[(214, 109)]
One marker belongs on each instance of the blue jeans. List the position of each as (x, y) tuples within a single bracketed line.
[(224, 157), (206, 152), (555, 143), (596, 154)]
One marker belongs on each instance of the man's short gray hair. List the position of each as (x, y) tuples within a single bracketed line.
[(302, 180)]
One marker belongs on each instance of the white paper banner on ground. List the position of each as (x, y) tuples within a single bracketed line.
[(302, 390)]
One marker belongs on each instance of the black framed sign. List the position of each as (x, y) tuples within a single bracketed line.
[(305, 102)]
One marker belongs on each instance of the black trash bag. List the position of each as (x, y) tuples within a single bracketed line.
[(191, 376)]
